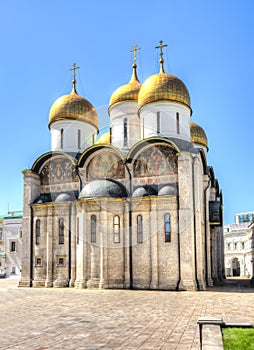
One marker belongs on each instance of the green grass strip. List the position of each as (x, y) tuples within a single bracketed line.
[(238, 338)]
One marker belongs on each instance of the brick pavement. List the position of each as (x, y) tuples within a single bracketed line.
[(40, 319)]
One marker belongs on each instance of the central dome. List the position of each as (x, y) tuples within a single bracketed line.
[(73, 107), (127, 92), (163, 87)]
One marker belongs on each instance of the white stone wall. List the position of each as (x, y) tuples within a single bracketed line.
[(70, 129), (118, 113), (168, 122)]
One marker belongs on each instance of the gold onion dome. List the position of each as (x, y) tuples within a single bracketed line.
[(163, 87), (198, 135), (127, 92), (73, 107), (104, 139)]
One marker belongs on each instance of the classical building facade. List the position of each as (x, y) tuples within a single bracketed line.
[(138, 208), (11, 244), (238, 246)]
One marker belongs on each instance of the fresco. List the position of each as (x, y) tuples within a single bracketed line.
[(105, 165), (155, 161), (58, 171)]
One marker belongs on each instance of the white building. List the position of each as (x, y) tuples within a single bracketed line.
[(140, 208), (11, 244), (237, 246)]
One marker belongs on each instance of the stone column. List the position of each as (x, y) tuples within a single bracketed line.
[(30, 193), (154, 284), (186, 229), (81, 253), (49, 247), (73, 246)]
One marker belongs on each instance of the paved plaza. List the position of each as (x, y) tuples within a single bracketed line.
[(39, 319)]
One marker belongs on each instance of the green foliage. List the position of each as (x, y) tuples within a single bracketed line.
[(238, 338)]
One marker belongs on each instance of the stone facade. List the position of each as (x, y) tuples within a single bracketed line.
[(238, 246), (143, 211)]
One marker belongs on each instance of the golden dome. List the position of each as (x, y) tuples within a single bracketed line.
[(73, 107), (104, 139), (163, 87), (127, 92), (198, 135)]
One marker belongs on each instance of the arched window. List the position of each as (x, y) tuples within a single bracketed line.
[(116, 229), (125, 132), (167, 228), (79, 139), (93, 228), (77, 230), (38, 232), (61, 138), (177, 123), (61, 231), (139, 229), (158, 123)]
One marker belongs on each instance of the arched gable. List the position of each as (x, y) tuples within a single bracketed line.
[(204, 162), (55, 168), (103, 162), (154, 157)]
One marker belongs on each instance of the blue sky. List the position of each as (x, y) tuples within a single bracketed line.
[(210, 48)]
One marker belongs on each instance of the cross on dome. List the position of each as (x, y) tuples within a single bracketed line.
[(134, 50), (74, 68), (161, 54)]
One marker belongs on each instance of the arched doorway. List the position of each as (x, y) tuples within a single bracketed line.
[(236, 267)]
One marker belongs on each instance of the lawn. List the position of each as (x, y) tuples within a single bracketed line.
[(238, 338)]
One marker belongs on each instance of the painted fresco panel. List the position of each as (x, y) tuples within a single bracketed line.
[(105, 165), (58, 171), (155, 161)]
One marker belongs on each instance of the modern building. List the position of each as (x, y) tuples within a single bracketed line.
[(238, 246), (139, 208), (11, 244)]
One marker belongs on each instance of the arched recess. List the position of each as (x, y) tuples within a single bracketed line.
[(154, 157), (56, 168), (102, 162), (204, 162)]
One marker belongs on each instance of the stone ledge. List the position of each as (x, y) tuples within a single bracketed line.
[(210, 331)]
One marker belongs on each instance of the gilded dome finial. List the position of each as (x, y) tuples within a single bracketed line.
[(134, 65), (74, 91), (161, 54)]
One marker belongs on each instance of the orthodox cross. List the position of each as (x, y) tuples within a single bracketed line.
[(74, 68), (161, 54), (134, 50), (161, 47)]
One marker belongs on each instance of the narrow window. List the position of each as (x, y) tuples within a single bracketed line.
[(125, 132), (177, 123), (167, 228), (60, 261), (61, 231), (77, 230), (13, 270), (38, 262), (158, 123), (93, 139), (243, 245), (110, 134), (1, 235), (116, 224), (79, 139), (139, 229), (143, 127), (61, 139), (235, 245), (93, 228), (13, 246), (37, 232)]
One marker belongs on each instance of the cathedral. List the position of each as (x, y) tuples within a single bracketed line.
[(136, 208)]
